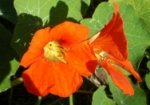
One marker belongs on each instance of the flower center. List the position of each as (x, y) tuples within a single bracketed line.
[(103, 57), (53, 51)]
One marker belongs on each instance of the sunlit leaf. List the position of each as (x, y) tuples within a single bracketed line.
[(138, 37), (139, 97), (39, 8), (100, 97), (8, 64), (101, 17), (54, 11), (142, 7)]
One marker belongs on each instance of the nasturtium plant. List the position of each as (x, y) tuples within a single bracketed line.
[(139, 97), (21, 20), (33, 16), (101, 16), (137, 35), (50, 11)]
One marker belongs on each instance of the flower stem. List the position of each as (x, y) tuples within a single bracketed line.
[(10, 96), (17, 81), (39, 100), (71, 100)]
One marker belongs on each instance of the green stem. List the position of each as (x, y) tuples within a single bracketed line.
[(10, 96), (39, 100), (17, 81), (71, 100), (14, 83)]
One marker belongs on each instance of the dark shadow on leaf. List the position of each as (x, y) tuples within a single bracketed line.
[(58, 14), (84, 8), (24, 31), (18, 73), (8, 11), (19, 96), (9, 25), (6, 53)]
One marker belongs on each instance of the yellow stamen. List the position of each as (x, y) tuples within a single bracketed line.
[(103, 57), (53, 51)]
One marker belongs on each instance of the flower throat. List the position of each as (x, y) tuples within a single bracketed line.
[(53, 51)]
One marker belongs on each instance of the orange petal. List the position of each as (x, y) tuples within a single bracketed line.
[(40, 38), (82, 58), (112, 38), (37, 79), (67, 80), (44, 77), (68, 33), (119, 79), (127, 65), (116, 7), (29, 58)]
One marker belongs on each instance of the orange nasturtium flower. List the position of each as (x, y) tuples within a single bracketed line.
[(110, 47), (57, 59)]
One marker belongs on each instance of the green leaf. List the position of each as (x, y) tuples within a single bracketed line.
[(64, 10), (39, 8), (7, 10), (138, 37), (139, 97), (74, 9), (50, 10), (147, 80), (100, 97), (100, 18), (142, 7), (24, 30), (148, 65), (8, 64)]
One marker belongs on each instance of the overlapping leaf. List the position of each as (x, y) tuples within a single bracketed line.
[(8, 64), (50, 10), (138, 37), (24, 30), (7, 10), (84, 6), (34, 13), (100, 18), (142, 7), (100, 97), (139, 97)]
